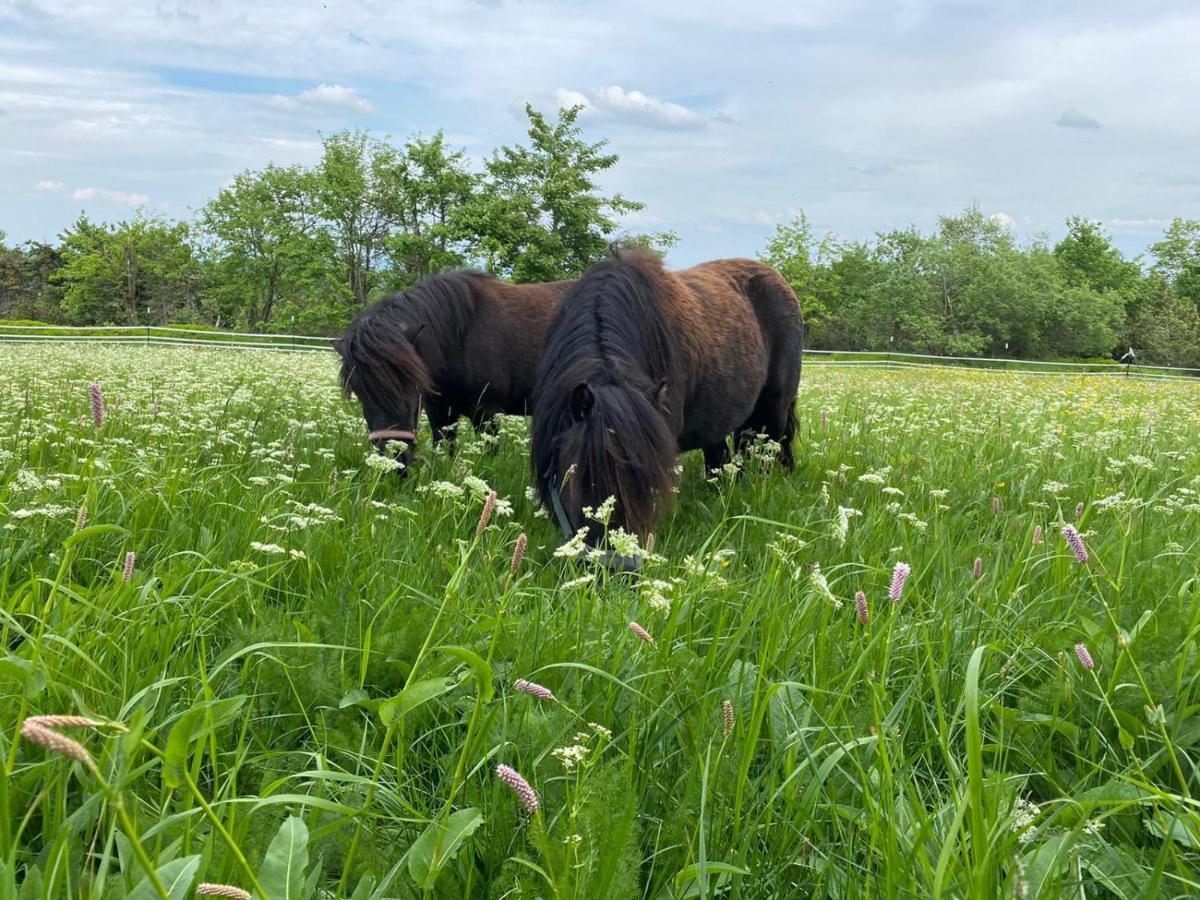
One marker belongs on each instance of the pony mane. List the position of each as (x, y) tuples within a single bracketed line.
[(611, 318), (610, 333), (379, 349)]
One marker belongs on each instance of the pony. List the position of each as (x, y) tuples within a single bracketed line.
[(461, 343), (640, 365)]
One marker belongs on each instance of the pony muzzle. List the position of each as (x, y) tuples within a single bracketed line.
[(614, 562)]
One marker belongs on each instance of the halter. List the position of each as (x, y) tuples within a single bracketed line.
[(391, 434)]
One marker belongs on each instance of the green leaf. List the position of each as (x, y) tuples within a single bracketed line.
[(1175, 829), (1118, 871), (94, 531), (1045, 862), (282, 872), (31, 679), (392, 711), (480, 666), (354, 697), (176, 876), (687, 880), (439, 844), (178, 741)]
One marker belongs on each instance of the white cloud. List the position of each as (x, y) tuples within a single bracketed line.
[(125, 198), (323, 98), (1073, 118), (633, 107), (48, 187), (1004, 220)]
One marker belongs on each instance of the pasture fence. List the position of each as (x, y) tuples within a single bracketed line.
[(188, 337)]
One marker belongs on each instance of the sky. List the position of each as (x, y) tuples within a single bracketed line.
[(729, 117)]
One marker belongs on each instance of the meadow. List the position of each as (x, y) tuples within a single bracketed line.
[(952, 654)]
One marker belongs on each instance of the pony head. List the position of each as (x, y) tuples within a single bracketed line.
[(381, 367), (601, 424)]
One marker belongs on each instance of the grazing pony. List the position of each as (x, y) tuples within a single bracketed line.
[(641, 364), (459, 343)]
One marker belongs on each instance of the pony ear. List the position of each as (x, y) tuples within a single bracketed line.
[(582, 401), (659, 395)]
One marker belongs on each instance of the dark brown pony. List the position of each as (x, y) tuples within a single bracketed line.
[(641, 364), (459, 344)]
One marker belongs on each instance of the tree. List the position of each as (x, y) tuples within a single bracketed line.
[(802, 260), (1177, 258), (539, 215), (359, 190), (1166, 329), (435, 187), (141, 271), (267, 243)]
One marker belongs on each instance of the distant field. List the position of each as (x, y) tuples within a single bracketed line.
[(308, 681)]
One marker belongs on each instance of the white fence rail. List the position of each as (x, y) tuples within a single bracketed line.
[(170, 336)]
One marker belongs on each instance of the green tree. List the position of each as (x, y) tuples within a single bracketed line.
[(360, 197), (1088, 257), (1177, 258), (434, 187), (140, 271), (804, 262), (267, 244), (1166, 329), (539, 215)]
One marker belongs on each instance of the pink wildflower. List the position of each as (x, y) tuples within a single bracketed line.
[(641, 632), (486, 516), (860, 605), (1075, 541), (977, 569), (1037, 535), (1085, 658), (526, 794), (533, 689), (127, 572), (899, 575), (518, 553), (97, 400)]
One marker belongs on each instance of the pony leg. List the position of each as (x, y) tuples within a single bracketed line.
[(775, 416), (487, 422), (715, 457), (442, 419)]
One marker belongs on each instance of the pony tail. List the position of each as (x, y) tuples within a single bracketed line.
[(622, 448)]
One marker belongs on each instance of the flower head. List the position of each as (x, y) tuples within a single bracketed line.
[(81, 519), (1075, 541), (1078, 509), (860, 606), (56, 743), (1085, 658), (727, 714), (518, 553), (489, 506), (526, 794), (96, 396), (127, 571), (641, 632), (977, 569), (899, 575), (1037, 535), (533, 689), (206, 889)]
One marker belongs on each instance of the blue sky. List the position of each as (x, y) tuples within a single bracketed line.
[(729, 117)]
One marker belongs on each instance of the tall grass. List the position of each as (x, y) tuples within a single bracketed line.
[(307, 683)]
